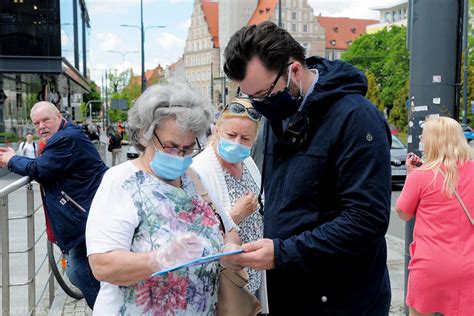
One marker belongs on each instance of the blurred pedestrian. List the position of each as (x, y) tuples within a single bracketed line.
[(110, 130), (439, 193), (231, 177), (115, 143), (326, 175), (147, 215), (28, 148), (69, 170), (121, 128)]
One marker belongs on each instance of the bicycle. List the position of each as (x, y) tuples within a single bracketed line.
[(58, 264)]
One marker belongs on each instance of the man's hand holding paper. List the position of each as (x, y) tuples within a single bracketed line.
[(258, 255)]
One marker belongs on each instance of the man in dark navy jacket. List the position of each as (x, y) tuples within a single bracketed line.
[(69, 171), (326, 178)]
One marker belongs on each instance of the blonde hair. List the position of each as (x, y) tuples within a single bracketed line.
[(444, 144), (227, 115)]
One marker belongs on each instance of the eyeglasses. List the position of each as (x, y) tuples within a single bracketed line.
[(239, 109), (180, 152), (269, 92)]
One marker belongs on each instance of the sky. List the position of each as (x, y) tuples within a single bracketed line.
[(165, 45)]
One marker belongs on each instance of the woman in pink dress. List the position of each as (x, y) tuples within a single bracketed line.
[(441, 278)]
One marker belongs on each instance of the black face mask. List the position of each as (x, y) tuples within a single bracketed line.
[(278, 106)]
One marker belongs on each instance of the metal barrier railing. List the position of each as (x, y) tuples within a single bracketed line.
[(33, 270)]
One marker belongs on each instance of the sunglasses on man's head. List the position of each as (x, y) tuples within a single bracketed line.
[(239, 109)]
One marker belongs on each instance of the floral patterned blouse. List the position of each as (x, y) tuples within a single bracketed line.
[(251, 228), (136, 211)]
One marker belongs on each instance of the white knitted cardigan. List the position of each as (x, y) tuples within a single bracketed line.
[(212, 177)]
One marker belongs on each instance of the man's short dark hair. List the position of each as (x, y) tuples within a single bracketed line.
[(271, 44)]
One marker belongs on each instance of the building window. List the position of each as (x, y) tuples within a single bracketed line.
[(305, 28), (294, 16), (305, 45), (31, 30), (387, 17), (333, 42), (293, 27)]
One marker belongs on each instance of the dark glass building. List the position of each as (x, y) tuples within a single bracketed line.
[(43, 56)]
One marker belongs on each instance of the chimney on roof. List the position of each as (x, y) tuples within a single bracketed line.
[(267, 9), (260, 11), (335, 29), (353, 30)]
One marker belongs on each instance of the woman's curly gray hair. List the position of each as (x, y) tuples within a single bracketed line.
[(191, 110)]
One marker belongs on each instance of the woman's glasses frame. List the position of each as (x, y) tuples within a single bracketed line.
[(180, 152)]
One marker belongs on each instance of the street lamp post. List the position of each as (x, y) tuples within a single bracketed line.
[(123, 56), (142, 32)]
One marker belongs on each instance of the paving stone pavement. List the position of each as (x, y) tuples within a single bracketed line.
[(395, 262)]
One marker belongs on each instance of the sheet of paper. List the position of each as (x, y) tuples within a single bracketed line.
[(202, 260)]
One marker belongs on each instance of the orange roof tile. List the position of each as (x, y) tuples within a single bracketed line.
[(149, 74), (172, 67), (211, 14), (263, 12), (340, 32)]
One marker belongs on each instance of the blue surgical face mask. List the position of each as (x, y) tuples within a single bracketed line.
[(170, 167), (231, 151)]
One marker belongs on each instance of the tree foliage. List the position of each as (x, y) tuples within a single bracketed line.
[(383, 54), (399, 113), (93, 95), (373, 92), (471, 33), (470, 94)]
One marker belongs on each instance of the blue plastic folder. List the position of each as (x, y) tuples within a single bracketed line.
[(202, 260)]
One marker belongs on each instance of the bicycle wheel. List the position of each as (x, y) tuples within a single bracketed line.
[(58, 264)]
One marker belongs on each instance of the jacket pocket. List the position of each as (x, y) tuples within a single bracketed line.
[(69, 221)]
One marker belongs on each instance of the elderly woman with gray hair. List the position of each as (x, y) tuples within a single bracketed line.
[(147, 215)]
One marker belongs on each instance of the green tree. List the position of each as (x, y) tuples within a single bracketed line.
[(93, 95), (399, 113), (471, 33), (373, 92), (133, 89), (383, 54), (470, 93)]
